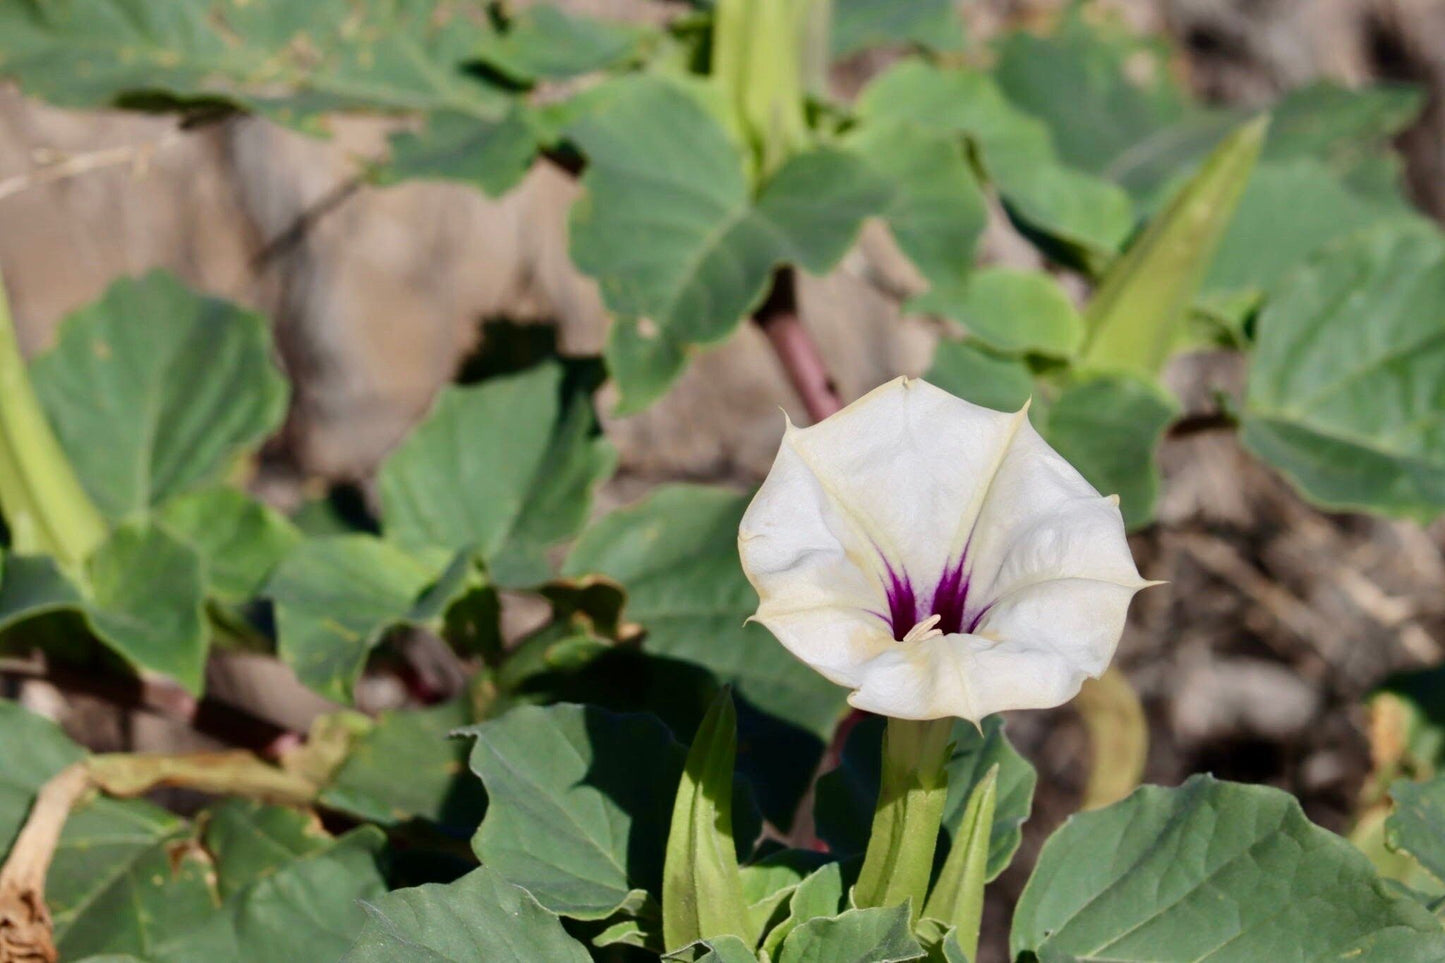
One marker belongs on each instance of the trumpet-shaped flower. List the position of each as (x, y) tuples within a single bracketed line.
[(937, 558)]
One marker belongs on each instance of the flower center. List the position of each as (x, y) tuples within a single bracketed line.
[(915, 616)]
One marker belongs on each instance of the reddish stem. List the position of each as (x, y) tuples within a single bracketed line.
[(796, 349)]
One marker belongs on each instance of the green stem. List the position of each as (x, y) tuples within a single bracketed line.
[(913, 789), (44, 505), (957, 898)]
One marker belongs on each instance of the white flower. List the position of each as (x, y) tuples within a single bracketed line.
[(937, 558)]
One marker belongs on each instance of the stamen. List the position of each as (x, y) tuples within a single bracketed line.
[(925, 630)]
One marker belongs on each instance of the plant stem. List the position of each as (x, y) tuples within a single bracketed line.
[(796, 349), (911, 794), (44, 505)]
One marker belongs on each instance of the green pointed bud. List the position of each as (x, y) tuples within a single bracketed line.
[(702, 890), (41, 499), (957, 897), (1137, 314)]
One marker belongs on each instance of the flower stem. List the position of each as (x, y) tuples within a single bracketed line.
[(957, 897), (911, 794), (796, 350), (44, 505)]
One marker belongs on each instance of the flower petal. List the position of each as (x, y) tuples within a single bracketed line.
[(908, 464), (1032, 651), (1041, 520)]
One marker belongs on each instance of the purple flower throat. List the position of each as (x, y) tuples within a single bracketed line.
[(907, 607)]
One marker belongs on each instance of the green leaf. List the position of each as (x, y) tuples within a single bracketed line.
[(860, 24), (819, 894), (1109, 428), (125, 879), (971, 371), (1289, 210), (700, 250), (770, 883), (479, 917), (937, 211), (1346, 391), (724, 949), (251, 840), (406, 766), (857, 936), (574, 814), (454, 145), (845, 797), (1136, 315), (702, 893), (675, 552), (1213, 869), (154, 389), (239, 540), (143, 597), (546, 42), (957, 895), (1012, 311), (1417, 824), (1082, 213), (499, 469), (336, 595), (1101, 91), (291, 62)]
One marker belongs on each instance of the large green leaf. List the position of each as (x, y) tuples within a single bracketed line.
[(289, 61), (937, 211), (675, 553), (1076, 209), (857, 936), (1109, 428), (479, 917), (337, 595), (1213, 871), (1289, 210), (1347, 384), (251, 840), (669, 227), (143, 597), (1100, 90), (978, 374), (1417, 824), (547, 42), (240, 540), (154, 388), (846, 797), (579, 804), (1012, 311), (406, 766), (859, 24), (454, 145), (499, 469)]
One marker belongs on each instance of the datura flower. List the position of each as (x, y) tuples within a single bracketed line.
[(937, 558)]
